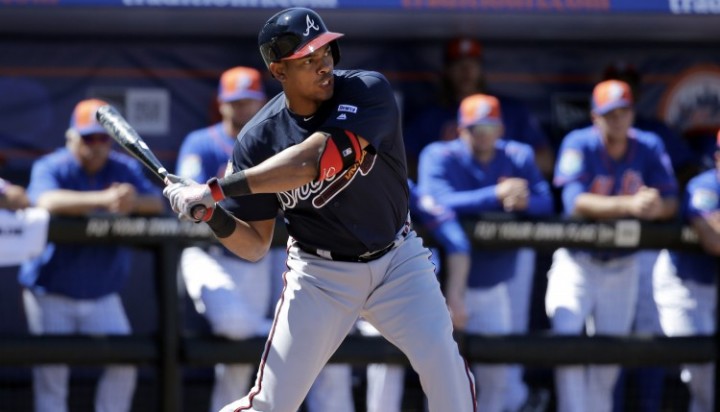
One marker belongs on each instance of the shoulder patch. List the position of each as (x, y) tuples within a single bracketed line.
[(571, 162), (190, 166), (704, 199)]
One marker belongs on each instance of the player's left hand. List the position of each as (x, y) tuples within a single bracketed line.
[(186, 194)]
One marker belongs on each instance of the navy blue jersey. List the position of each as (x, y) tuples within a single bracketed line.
[(702, 199), (324, 214)]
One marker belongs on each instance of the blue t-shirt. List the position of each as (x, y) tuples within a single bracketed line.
[(81, 271), (701, 199), (457, 180), (356, 211)]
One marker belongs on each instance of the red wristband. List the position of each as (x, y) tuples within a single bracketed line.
[(215, 190)]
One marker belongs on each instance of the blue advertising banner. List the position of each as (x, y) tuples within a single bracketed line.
[(522, 6)]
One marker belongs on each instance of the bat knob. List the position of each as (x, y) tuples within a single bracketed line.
[(200, 213)]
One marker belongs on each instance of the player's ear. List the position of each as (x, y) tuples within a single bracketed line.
[(277, 70)]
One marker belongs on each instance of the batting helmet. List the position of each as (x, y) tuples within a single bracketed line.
[(294, 33)]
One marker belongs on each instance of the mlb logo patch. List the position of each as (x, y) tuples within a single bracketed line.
[(571, 162), (347, 108)]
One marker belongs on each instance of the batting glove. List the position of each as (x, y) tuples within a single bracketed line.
[(189, 199)]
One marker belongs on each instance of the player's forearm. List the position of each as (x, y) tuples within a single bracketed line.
[(70, 202), (287, 170), (249, 240), (593, 206)]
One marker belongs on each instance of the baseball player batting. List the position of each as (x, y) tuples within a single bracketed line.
[(606, 171), (328, 151)]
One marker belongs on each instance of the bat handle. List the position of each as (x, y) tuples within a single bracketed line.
[(198, 212)]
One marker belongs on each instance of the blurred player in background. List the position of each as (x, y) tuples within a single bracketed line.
[(464, 74), (12, 197), (686, 282), (234, 294), (74, 289), (649, 380), (479, 173), (606, 171)]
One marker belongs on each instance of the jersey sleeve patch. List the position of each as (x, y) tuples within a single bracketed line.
[(704, 200), (571, 162)]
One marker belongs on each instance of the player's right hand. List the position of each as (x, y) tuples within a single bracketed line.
[(647, 203), (513, 193), (121, 198), (14, 198), (187, 196)]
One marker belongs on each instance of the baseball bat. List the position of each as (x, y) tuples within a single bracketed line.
[(126, 136)]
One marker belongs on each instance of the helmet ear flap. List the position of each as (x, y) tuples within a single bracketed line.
[(335, 52)]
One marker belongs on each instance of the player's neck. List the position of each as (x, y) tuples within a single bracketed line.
[(230, 129), (484, 157), (615, 146), (303, 107)]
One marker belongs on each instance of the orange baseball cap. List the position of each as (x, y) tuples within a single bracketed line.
[(479, 109), (83, 118), (461, 48), (240, 83), (610, 95)]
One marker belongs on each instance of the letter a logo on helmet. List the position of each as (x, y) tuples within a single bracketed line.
[(310, 25), (294, 33)]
